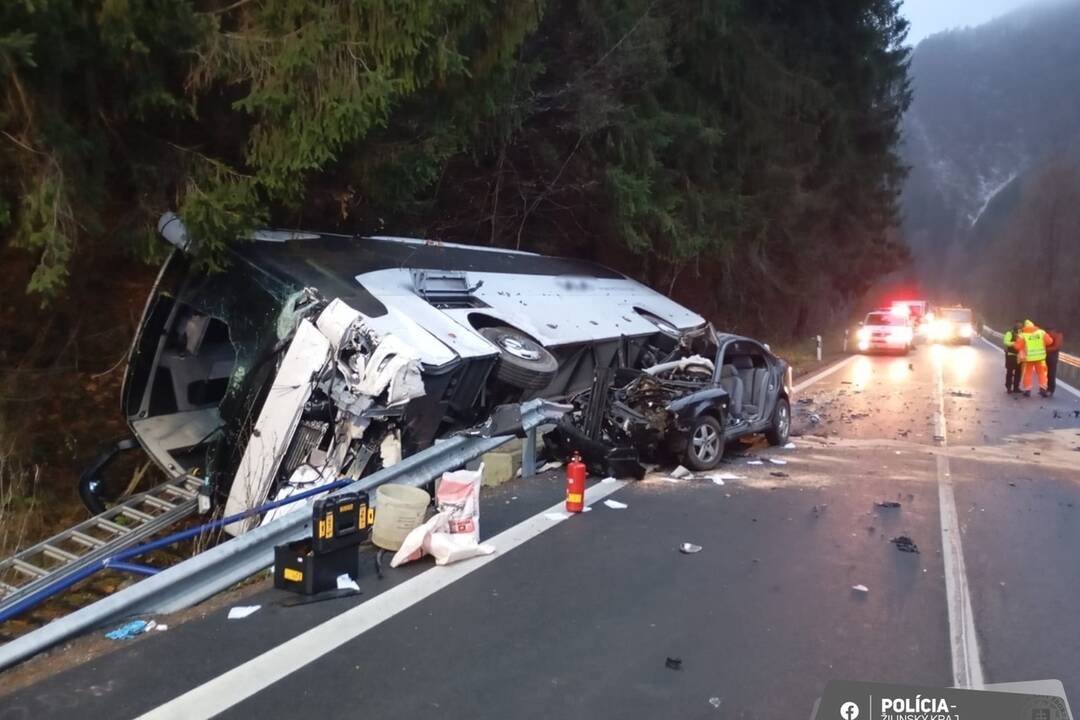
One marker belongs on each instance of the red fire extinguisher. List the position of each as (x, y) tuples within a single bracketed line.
[(575, 484)]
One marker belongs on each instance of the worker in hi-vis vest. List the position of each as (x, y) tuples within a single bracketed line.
[(1032, 345), (1012, 360)]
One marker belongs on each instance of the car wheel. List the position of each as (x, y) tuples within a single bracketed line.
[(780, 430), (705, 444), (523, 362)]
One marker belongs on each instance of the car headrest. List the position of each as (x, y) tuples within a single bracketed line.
[(743, 362), (728, 371)]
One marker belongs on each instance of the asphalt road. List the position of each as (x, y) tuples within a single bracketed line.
[(577, 618)]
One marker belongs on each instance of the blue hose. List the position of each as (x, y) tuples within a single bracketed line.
[(118, 561)]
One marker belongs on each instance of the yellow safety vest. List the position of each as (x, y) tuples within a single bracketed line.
[(1035, 345)]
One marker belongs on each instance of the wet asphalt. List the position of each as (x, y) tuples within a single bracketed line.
[(581, 620)]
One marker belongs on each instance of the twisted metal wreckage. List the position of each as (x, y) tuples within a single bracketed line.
[(312, 357)]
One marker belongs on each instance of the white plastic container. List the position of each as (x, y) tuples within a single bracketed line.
[(398, 509)]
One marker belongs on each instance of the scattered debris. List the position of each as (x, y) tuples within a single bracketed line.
[(806, 401), (790, 446), (1012, 484), (608, 480), (671, 480), (754, 462), (452, 533), (814, 419), (673, 663), (555, 465), (860, 589), (689, 548), (818, 509), (242, 611), (777, 461), (961, 394), (344, 582), (905, 544), (887, 504), (616, 505), (161, 628), (779, 474), (716, 702), (681, 472), (129, 630)]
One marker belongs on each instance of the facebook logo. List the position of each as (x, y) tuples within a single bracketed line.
[(850, 711)]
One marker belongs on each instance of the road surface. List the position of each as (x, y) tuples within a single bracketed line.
[(577, 618)]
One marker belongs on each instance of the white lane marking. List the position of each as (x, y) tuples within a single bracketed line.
[(1064, 385), (963, 642), (825, 373), (243, 681)]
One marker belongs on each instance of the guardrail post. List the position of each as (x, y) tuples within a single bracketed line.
[(819, 348), (528, 454)]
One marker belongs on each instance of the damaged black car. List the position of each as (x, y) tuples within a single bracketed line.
[(709, 390)]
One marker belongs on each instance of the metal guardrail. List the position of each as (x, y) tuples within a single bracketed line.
[(224, 565)]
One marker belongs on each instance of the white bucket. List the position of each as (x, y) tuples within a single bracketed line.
[(398, 509)]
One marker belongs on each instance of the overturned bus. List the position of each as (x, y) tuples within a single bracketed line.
[(315, 356)]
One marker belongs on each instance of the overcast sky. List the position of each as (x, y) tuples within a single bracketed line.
[(930, 16)]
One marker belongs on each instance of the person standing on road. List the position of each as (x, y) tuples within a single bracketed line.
[(1052, 352), (1012, 360), (1032, 345)]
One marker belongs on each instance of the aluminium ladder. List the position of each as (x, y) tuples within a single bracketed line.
[(122, 526)]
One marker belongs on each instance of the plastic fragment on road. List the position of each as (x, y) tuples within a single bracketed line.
[(790, 446), (554, 465), (960, 394), (161, 628), (681, 472), (719, 478), (689, 548), (777, 461), (814, 419), (754, 462), (887, 504), (779, 474), (716, 702), (344, 582), (860, 589), (242, 611), (673, 663), (128, 630), (616, 505), (905, 544)]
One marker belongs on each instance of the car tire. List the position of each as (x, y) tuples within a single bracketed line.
[(780, 430), (523, 362), (704, 444)]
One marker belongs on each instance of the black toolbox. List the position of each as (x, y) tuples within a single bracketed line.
[(297, 567), (339, 524)]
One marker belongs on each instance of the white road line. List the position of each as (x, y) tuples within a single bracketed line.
[(236, 685), (963, 641), (243, 681), (1064, 385), (825, 373)]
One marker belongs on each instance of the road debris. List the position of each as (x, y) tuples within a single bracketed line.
[(814, 418), (777, 461), (887, 504), (689, 548), (555, 465), (608, 480), (754, 462), (616, 505), (790, 446), (905, 544), (242, 611), (673, 663), (961, 394), (860, 589), (129, 630), (716, 702), (344, 582), (680, 473), (817, 510), (806, 401)]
